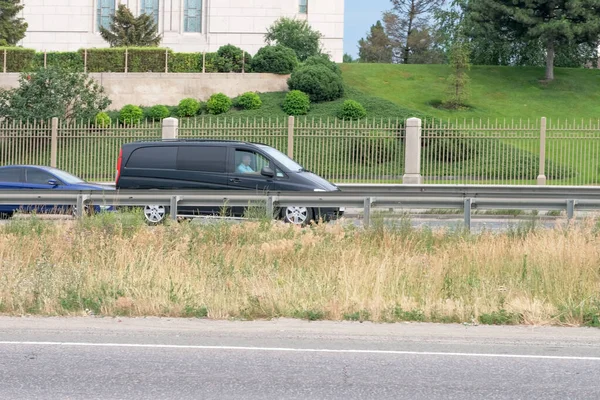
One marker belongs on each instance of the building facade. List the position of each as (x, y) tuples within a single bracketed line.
[(185, 25)]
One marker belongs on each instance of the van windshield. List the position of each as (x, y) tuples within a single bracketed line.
[(282, 159)]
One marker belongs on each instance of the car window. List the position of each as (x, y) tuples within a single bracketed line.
[(38, 176), (10, 175), (156, 157), (249, 162), (202, 158)]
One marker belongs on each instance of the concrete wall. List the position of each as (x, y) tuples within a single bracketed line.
[(68, 25), (148, 89)]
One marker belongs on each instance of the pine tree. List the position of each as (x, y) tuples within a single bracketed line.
[(555, 23), (12, 28), (128, 31), (376, 48)]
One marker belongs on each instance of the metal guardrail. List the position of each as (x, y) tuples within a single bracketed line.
[(366, 197)]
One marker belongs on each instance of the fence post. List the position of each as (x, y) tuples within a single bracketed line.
[(54, 142), (4, 61), (203, 62), (412, 155), (541, 179), (45, 59), (166, 61), (170, 128), (84, 60), (290, 146), (243, 60), (126, 61)]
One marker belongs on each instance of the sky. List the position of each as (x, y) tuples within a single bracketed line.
[(360, 15)]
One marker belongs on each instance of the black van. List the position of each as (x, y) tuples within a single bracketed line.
[(218, 165)]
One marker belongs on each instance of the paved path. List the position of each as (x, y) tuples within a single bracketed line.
[(152, 358)]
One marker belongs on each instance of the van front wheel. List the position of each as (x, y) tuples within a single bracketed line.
[(297, 215), (155, 214)]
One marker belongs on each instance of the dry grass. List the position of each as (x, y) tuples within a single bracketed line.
[(113, 265)]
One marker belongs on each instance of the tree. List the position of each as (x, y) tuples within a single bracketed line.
[(555, 23), (12, 28), (295, 34), (409, 15), (128, 31), (376, 48), (348, 58), (53, 92), (458, 81)]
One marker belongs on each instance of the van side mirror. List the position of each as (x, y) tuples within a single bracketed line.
[(267, 171)]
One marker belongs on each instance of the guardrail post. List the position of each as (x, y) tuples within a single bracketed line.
[(467, 209), (80, 208), (54, 142), (541, 179), (290, 144), (173, 207), (570, 209), (270, 207), (170, 128), (367, 208), (412, 153)]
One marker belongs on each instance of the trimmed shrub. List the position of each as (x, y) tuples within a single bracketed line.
[(352, 110), (18, 59), (158, 113), (102, 120), (188, 107), (318, 81), (323, 59), (249, 101), (210, 62), (296, 103), (231, 58), (130, 114), (68, 60), (146, 59), (218, 104), (185, 62), (275, 59)]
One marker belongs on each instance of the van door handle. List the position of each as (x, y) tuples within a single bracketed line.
[(234, 180)]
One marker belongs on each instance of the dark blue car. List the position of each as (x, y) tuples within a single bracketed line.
[(34, 177)]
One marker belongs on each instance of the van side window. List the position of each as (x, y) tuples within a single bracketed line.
[(156, 157), (202, 158), (249, 162)]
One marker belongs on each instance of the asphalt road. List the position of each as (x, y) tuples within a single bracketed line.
[(152, 358)]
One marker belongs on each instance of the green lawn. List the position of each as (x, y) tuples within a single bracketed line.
[(496, 92)]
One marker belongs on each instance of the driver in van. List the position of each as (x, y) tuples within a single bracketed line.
[(244, 167)]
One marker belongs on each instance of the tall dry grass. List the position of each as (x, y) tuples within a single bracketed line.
[(114, 265)]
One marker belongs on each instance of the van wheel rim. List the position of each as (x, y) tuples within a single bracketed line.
[(296, 215), (154, 213)]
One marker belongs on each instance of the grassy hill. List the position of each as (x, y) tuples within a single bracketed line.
[(496, 92)]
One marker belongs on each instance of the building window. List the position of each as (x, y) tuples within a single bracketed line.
[(105, 9), (192, 16), (150, 7), (303, 6)]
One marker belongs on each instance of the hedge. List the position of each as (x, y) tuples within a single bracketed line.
[(17, 59)]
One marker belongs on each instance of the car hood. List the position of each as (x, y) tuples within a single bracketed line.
[(318, 181)]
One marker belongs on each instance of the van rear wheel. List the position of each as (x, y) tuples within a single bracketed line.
[(297, 215), (155, 214)]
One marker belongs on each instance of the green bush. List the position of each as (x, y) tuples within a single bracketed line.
[(232, 59), (275, 59), (318, 81), (352, 110), (185, 62), (296, 103), (18, 59), (210, 62), (374, 148), (218, 104), (158, 113), (130, 114), (249, 101), (105, 60), (68, 61), (145, 59), (102, 120), (323, 59), (188, 107)]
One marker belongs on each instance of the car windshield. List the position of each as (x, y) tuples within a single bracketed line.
[(282, 159), (65, 177)]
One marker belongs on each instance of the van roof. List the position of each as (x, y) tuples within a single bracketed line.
[(195, 141)]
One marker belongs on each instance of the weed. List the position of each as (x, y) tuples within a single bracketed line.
[(361, 316), (195, 312), (413, 315), (501, 317), (311, 315)]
